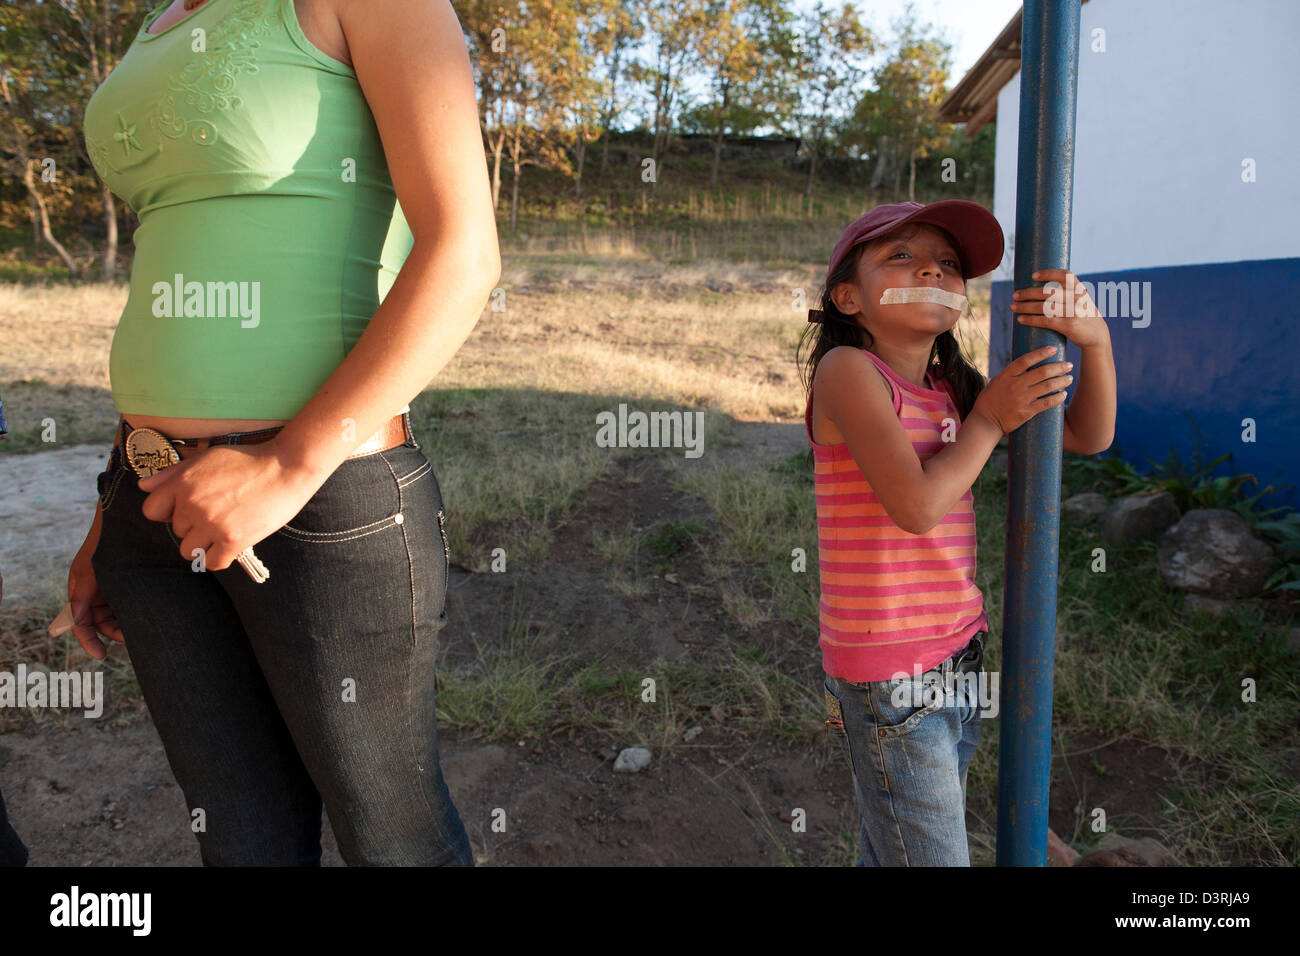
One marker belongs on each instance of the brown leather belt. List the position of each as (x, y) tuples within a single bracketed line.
[(396, 431)]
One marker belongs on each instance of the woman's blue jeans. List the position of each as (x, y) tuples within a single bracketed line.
[(314, 686), (908, 751)]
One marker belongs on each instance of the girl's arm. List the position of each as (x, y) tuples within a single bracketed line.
[(916, 497), (1090, 417)]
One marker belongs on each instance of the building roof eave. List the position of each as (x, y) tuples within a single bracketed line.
[(974, 100)]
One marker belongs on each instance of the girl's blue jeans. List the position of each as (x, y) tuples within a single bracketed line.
[(313, 687), (908, 752)]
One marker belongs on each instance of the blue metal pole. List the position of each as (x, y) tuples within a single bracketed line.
[(1049, 65)]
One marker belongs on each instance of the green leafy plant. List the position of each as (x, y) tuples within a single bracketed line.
[(1111, 475), (1284, 534), (1199, 489), (1193, 487)]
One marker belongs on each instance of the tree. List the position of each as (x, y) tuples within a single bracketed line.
[(735, 46), (484, 24), (53, 55), (531, 75), (598, 27), (676, 30), (615, 25), (830, 51), (898, 121)]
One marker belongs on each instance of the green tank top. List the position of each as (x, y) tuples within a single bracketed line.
[(269, 229)]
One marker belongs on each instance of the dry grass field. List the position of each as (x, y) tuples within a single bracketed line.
[(627, 564)]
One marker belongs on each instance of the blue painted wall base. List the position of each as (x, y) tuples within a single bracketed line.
[(1221, 346)]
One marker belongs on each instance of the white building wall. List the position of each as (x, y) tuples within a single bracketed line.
[(1184, 92)]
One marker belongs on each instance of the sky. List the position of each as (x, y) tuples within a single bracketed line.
[(970, 25)]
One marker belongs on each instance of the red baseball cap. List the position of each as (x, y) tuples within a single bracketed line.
[(975, 230)]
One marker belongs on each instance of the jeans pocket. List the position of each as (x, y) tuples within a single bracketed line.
[(361, 497), (901, 704)]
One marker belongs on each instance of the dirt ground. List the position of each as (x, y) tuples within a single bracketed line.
[(45, 512), (86, 797), (100, 793)]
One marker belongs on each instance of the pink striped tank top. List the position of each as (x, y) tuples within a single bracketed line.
[(892, 601)]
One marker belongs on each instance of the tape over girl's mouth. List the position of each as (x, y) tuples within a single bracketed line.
[(923, 293)]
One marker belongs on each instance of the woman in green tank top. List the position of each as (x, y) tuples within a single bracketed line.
[(277, 281)]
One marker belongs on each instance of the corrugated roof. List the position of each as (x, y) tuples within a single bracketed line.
[(974, 101)]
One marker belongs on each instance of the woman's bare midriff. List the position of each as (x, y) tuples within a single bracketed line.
[(200, 427)]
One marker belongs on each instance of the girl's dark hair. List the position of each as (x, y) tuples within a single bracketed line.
[(836, 328)]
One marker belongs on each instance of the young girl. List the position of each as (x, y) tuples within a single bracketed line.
[(900, 426)]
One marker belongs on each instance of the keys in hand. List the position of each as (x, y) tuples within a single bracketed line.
[(250, 563)]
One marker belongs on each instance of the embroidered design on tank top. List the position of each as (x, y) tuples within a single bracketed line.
[(207, 83), (126, 135)]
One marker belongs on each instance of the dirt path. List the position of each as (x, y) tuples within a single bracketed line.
[(45, 512), (90, 797)]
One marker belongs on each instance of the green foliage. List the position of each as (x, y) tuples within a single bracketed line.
[(1198, 489), (595, 684), (1191, 488), (799, 465), (1110, 475), (1284, 534)]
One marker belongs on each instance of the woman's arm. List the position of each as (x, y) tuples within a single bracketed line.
[(411, 62), (414, 70)]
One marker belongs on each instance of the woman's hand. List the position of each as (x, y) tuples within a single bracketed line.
[(1076, 315), (227, 498), (90, 612)]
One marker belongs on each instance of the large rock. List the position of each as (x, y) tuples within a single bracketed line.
[(1212, 551), (1137, 517)]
